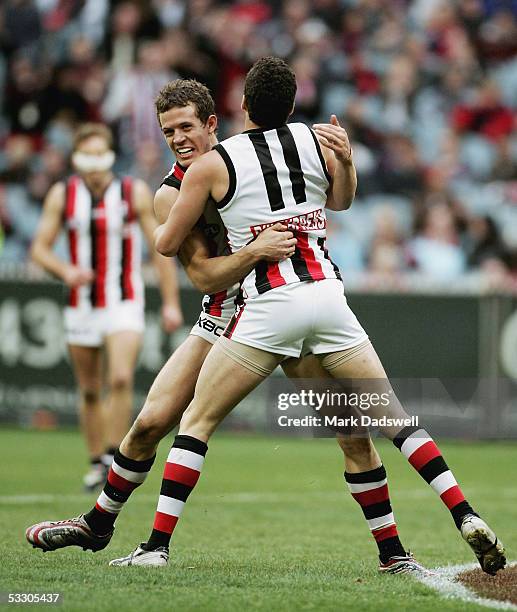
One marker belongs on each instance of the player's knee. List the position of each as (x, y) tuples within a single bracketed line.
[(147, 430), (356, 447), (90, 396), (121, 380)]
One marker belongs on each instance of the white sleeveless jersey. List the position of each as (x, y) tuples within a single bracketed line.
[(104, 235), (222, 303), (278, 175)]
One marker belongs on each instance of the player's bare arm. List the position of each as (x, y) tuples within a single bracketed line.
[(171, 310), (50, 226), (164, 199), (206, 177), (337, 152), (212, 274)]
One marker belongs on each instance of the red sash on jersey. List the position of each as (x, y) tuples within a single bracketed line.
[(304, 262), (99, 252)]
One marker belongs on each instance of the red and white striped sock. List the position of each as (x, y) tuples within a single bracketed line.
[(180, 476), (124, 476), (370, 491), (422, 453)]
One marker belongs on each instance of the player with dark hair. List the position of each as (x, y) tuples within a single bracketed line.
[(189, 133), (101, 214), (277, 172), (360, 456)]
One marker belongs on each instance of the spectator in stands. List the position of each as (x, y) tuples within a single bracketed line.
[(485, 245), (386, 253), (129, 103), (435, 250), (427, 89)]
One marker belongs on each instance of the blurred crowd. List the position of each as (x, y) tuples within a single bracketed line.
[(427, 90)]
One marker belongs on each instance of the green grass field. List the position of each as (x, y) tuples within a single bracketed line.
[(269, 527)]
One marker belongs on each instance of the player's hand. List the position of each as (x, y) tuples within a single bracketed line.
[(275, 243), (172, 317), (334, 137), (74, 276)]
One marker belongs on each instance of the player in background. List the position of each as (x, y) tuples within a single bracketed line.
[(102, 215), (186, 114), (274, 172)]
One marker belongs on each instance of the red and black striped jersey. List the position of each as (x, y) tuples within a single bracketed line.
[(222, 303), (104, 235), (278, 175)]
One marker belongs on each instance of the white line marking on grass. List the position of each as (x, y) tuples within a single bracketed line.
[(240, 497), (444, 582), (224, 498)]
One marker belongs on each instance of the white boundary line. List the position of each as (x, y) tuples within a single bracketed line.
[(444, 582), (241, 497)]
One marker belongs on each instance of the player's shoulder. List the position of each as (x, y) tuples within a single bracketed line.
[(297, 127), (233, 145), (55, 201), (207, 164), (230, 139), (56, 195)]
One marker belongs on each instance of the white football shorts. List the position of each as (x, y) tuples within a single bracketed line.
[(296, 319), (90, 326), (209, 327)]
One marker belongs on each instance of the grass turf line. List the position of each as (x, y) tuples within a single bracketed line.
[(269, 527)]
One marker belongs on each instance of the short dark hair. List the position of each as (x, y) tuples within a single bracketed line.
[(269, 92), (183, 92), (87, 130)]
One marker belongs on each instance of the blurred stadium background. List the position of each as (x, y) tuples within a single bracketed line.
[(428, 92)]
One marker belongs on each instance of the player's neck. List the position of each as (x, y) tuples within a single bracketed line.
[(250, 125), (98, 185)]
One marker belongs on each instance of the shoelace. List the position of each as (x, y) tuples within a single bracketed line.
[(70, 520)]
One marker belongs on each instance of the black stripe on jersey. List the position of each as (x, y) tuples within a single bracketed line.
[(93, 250), (274, 191), (231, 174), (299, 266), (321, 244), (262, 283), (171, 181), (320, 155), (292, 159)]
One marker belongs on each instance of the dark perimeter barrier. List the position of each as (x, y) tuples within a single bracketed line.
[(446, 350)]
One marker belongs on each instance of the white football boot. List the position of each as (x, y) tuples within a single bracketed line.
[(483, 541), (158, 557)]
